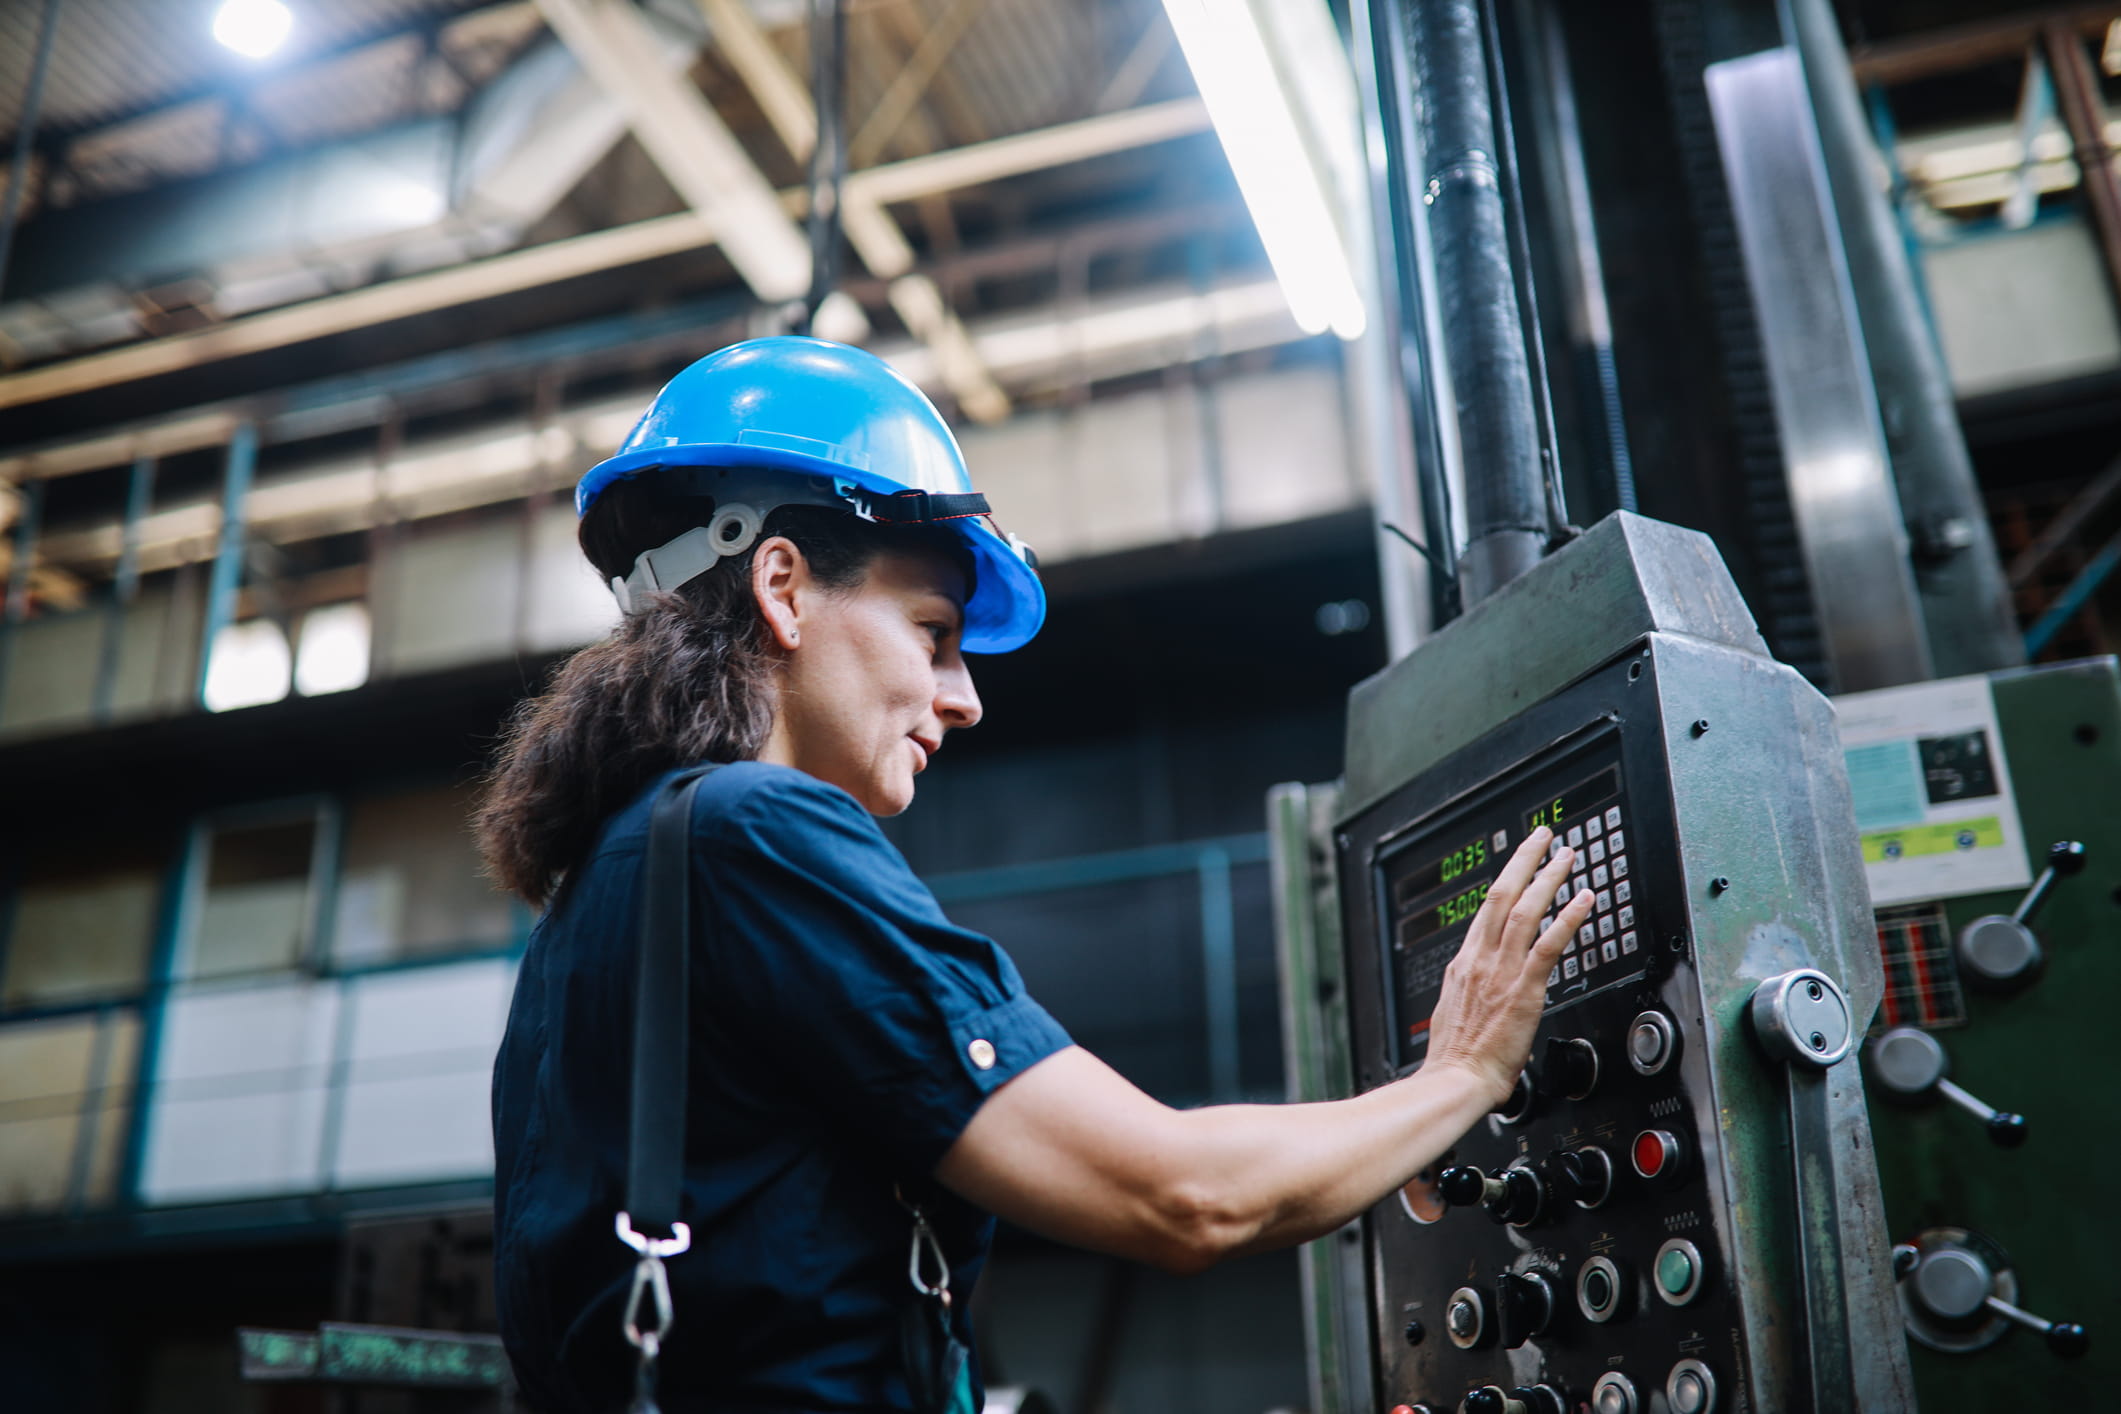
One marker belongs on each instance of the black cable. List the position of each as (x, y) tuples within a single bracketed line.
[(828, 154), (26, 134), (1418, 548)]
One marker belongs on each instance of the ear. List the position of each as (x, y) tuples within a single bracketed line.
[(779, 574)]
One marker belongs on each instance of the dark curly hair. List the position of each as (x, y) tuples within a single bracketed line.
[(682, 682)]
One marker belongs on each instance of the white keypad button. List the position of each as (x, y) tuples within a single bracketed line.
[(1568, 967), (1597, 851), (1598, 877), (1605, 901), (1620, 866), (1612, 817), (1623, 891), (1617, 841), (1593, 827), (1628, 943), (1627, 916), (1576, 886), (1553, 975), (1605, 926), (1576, 838), (1612, 951), (1590, 959), (1585, 936)]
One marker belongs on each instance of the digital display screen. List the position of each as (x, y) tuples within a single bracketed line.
[(1434, 880)]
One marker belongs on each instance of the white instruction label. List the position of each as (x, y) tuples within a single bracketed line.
[(1933, 791)]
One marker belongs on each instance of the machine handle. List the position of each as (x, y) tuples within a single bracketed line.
[(2066, 1338), (1910, 1064), (1968, 1287), (1802, 1018), (2064, 858)]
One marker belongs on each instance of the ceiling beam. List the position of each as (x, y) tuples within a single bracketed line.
[(1943, 51), (868, 227), (689, 142), (588, 254)]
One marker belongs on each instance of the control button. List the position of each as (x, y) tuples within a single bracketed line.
[(1611, 950), (1612, 819), (1584, 1176), (1598, 851), (1577, 885), (1651, 1040), (1599, 877), (1586, 935), (1690, 1388), (1620, 866), (1465, 1319), (1628, 943), (1655, 1153), (1524, 1306), (1593, 827), (1590, 957), (1492, 1399), (1576, 838), (1605, 900), (1623, 891), (1616, 842), (1569, 1070), (1678, 1272), (1519, 1105), (1627, 916), (1603, 1290), (1570, 967), (1553, 975), (1605, 926), (1614, 1394)]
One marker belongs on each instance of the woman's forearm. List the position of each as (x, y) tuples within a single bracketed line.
[(1281, 1174)]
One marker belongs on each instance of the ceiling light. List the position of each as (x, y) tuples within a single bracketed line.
[(1287, 194), (254, 28)]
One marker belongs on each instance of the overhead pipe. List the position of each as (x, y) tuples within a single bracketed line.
[(26, 134), (1483, 327)]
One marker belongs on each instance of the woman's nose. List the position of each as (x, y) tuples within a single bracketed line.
[(956, 700)]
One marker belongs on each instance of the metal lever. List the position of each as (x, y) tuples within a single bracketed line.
[(1955, 1285), (1999, 947), (1802, 1018), (1911, 1065)]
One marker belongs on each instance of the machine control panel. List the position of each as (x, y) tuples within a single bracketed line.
[(1431, 883), (1566, 1253)]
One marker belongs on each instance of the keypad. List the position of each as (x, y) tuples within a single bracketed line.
[(1610, 933)]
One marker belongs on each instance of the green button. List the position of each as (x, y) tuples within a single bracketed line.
[(1675, 1271)]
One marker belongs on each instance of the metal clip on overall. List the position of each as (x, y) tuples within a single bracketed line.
[(656, 1147)]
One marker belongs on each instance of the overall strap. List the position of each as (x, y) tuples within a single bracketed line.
[(656, 1149)]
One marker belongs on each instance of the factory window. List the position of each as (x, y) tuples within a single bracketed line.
[(83, 926), (411, 885), (332, 653), (256, 906), (66, 1086), (250, 665)]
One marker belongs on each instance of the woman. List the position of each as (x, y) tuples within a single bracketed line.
[(791, 530)]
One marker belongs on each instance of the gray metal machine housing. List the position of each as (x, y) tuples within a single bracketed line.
[(1634, 636)]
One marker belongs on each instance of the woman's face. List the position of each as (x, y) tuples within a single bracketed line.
[(872, 677)]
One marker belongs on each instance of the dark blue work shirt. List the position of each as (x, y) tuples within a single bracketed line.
[(843, 1032)]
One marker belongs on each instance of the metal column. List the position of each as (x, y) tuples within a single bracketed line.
[(1966, 606)]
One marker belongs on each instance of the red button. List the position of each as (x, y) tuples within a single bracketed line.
[(1655, 1151)]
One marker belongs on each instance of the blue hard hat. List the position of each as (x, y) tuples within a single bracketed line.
[(826, 412)]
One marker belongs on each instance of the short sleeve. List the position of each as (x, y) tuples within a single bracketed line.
[(842, 969)]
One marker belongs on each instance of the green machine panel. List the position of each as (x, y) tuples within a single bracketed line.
[(2004, 1188)]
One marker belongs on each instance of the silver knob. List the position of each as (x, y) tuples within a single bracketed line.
[(1614, 1394)]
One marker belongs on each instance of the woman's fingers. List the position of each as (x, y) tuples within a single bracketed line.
[(1567, 920), (1509, 887)]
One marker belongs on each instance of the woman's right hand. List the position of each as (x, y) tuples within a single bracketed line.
[(1494, 990)]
